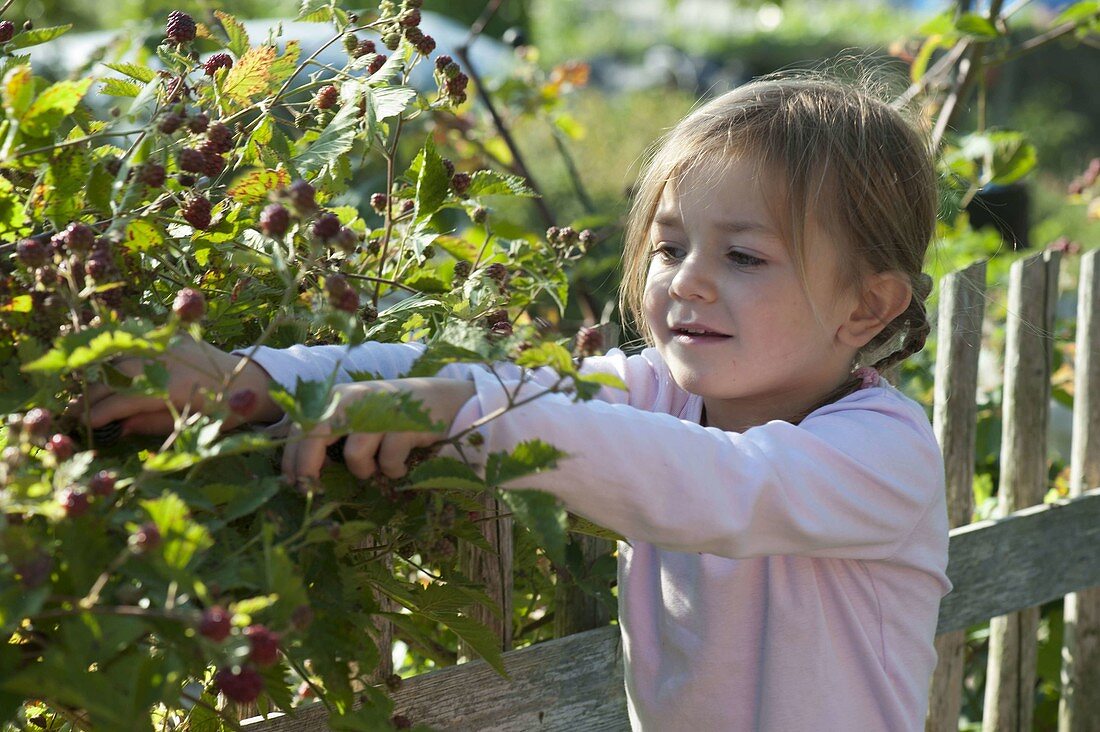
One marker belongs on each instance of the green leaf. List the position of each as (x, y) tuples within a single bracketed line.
[(527, 458), (53, 105), (491, 183), (390, 101), (235, 31), (444, 472), (544, 516), (578, 525), (144, 74), (65, 182), (113, 87), (975, 25), (142, 236), (603, 379), (311, 402), (18, 91), (432, 182), (920, 63), (334, 141), (315, 11), (181, 537), (547, 354), (253, 187), (1079, 11), (380, 411), (26, 39), (285, 65), (942, 24), (12, 216), (82, 348)]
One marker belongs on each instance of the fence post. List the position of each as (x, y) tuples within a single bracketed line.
[(1032, 294), (493, 570), (1079, 709), (958, 344), (578, 611)]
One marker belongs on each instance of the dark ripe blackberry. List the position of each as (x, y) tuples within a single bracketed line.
[(457, 85), (428, 252), (327, 97), (192, 160), (76, 503), (409, 17), (302, 196), (426, 45), (152, 174), (243, 686), (365, 48), (212, 164), (32, 253), (497, 316), (353, 18), (376, 63), (180, 28), (217, 61), (589, 342), (379, 201), (479, 215), (28, 25), (407, 206), (219, 138), (196, 211), (346, 240), (462, 270), (496, 271), (78, 238), (460, 183), (501, 329), (198, 123), (442, 62), (274, 220), (186, 180), (449, 167), (103, 483), (170, 122), (7, 31), (326, 226), (414, 35), (392, 40), (98, 267), (348, 301), (368, 313), (189, 305)]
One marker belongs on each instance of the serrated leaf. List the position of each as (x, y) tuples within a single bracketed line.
[(603, 379), (527, 458), (119, 88), (12, 216), (491, 183), (1079, 11), (181, 537), (390, 101), (249, 76), (285, 65), (82, 348), (335, 140), (142, 236), (432, 181), (18, 91), (235, 31), (315, 11), (975, 25), (544, 516), (578, 525), (144, 74), (444, 472), (53, 105), (66, 180), (312, 401), (253, 187), (26, 39), (547, 354), (380, 411)]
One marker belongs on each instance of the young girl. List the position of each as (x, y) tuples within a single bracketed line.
[(784, 504)]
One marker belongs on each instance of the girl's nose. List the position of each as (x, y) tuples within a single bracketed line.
[(693, 280)]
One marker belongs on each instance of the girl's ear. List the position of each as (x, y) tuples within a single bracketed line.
[(885, 296)]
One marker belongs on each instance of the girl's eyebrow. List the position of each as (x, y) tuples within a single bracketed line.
[(736, 226)]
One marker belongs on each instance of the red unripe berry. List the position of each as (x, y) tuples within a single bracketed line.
[(365, 48), (376, 63), (32, 252), (180, 27), (302, 196), (460, 182), (215, 624), (274, 219), (327, 97), (78, 238), (198, 123), (37, 422), (146, 537), (217, 61), (346, 300), (496, 271), (326, 226), (189, 305), (212, 164), (74, 502), (242, 686), (103, 483), (191, 160), (410, 17), (170, 123), (219, 138), (243, 402), (378, 202), (442, 61), (426, 45), (152, 174), (7, 31), (263, 644), (62, 446), (196, 211)]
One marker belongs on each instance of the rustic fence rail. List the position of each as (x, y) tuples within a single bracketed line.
[(1002, 569)]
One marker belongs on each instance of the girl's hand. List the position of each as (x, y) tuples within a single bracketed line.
[(366, 453), (191, 365)]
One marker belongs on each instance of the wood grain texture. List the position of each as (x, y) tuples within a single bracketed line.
[(959, 341), (1079, 709), (1032, 294), (493, 570)]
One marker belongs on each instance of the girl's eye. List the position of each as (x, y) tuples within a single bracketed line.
[(744, 260), (666, 252)]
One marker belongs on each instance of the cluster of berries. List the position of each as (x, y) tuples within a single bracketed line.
[(242, 684), (364, 49), (404, 22), (77, 252), (341, 295), (451, 81), (209, 157), (299, 199), (180, 28), (566, 237)]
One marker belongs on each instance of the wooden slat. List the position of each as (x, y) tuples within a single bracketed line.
[(1079, 709), (959, 341), (577, 682), (493, 570), (1013, 643)]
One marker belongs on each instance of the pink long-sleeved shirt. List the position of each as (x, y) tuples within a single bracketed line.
[(784, 578)]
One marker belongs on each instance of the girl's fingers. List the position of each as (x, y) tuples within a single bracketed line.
[(149, 423), (116, 407), (303, 458), (395, 449), (359, 452)]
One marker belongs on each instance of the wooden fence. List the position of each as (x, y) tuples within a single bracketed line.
[(1002, 569)]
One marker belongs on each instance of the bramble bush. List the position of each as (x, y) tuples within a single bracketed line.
[(142, 577)]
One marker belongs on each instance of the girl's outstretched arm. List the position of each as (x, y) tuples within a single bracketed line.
[(853, 480)]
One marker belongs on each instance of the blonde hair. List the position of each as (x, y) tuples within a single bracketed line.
[(833, 152)]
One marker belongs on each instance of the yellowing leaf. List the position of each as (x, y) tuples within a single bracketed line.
[(18, 304), (141, 236), (18, 91), (285, 65), (238, 36), (253, 187), (52, 105), (250, 75)]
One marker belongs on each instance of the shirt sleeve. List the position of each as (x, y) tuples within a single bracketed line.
[(851, 481)]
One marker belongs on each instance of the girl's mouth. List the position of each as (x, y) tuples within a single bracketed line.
[(697, 336)]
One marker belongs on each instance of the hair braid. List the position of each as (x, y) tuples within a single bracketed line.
[(914, 323)]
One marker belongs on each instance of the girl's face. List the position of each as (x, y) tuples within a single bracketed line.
[(726, 306)]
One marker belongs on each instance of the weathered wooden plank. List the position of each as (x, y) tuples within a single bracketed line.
[(1079, 709), (959, 341), (1013, 643), (493, 570)]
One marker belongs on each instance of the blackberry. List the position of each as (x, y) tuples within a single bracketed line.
[(409, 18), (326, 226), (103, 483), (186, 180), (152, 174), (460, 182), (426, 45), (449, 167), (37, 423), (462, 270), (379, 201), (192, 160), (327, 97), (218, 138), (198, 123), (567, 235), (368, 313), (347, 300), (31, 253), (376, 63), (180, 28), (217, 61), (274, 220), (496, 317), (7, 31), (496, 271), (212, 164), (263, 645), (503, 329), (449, 70), (196, 211), (407, 206), (28, 25), (346, 240), (146, 537), (589, 342), (98, 266), (242, 686), (302, 196), (586, 239), (75, 502), (78, 238), (442, 62), (242, 402), (189, 305), (215, 624), (170, 123), (365, 48), (414, 35), (479, 215)]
